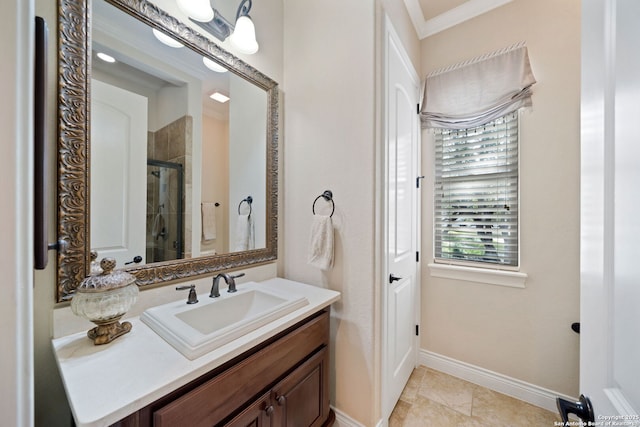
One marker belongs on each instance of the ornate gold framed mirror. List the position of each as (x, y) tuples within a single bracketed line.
[(77, 171)]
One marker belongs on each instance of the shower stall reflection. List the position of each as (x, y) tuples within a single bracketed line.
[(165, 211)]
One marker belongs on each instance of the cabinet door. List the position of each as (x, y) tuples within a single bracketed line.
[(258, 414), (302, 398)]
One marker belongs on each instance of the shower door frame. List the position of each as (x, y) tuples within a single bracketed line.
[(180, 169)]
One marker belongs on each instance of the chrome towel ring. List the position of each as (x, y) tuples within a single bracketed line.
[(249, 201), (327, 195)]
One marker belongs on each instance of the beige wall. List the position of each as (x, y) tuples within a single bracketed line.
[(332, 75), (215, 178), (329, 145), (50, 402), (522, 333)]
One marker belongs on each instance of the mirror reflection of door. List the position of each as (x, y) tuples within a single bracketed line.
[(118, 157)]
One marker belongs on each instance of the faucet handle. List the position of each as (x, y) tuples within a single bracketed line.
[(193, 298), (232, 282)]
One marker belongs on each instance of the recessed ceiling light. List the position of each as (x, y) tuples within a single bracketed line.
[(217, 96), (105, 57), (213, 66), (165, 39)]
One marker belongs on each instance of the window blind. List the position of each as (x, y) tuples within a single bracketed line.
[(476, 193), (478, 91)]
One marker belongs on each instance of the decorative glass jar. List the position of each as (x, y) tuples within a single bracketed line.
[(103, 299)]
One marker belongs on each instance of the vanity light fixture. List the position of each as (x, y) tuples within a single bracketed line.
[(166, 40), (106, 58), (242, 35), (220, 97), (198, 10), (213, 66)]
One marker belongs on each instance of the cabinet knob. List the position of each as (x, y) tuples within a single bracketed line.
[(269, 410), (281, 400)]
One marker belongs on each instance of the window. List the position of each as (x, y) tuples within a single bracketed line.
[(476, 194)]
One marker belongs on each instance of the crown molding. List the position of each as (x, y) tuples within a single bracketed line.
[(464, 12)]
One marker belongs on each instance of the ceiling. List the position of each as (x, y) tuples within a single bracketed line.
[(432, 16)]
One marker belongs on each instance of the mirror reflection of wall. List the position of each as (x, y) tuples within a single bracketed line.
[(247, 166), (215, 181), (221, 148)]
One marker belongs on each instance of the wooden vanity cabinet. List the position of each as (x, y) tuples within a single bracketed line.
[(282, 382), (297, 400)]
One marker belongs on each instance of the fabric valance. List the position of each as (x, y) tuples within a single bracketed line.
[(478, 91)]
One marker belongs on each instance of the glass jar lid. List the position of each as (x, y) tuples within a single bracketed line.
[(109, 278)]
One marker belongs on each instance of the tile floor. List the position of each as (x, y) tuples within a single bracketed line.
[(434, 399)]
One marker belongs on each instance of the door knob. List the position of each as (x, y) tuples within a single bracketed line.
[(136, 259), (393, 278), (582, 409)]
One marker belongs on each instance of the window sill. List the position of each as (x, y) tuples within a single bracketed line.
[(511, 279)]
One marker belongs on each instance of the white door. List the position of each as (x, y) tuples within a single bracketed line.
[(402, 155), (610, 278), (118, 172)]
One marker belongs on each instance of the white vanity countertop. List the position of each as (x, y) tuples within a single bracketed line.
[(109, 382)]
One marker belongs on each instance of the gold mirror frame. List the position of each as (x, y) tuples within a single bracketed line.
[(74, 76)]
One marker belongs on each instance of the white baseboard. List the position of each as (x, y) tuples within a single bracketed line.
[(524, 391), (383, 423), (344, 420), (527, 392)]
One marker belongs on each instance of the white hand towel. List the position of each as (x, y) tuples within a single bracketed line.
[(321, 242), (245, 233), (208, 221)]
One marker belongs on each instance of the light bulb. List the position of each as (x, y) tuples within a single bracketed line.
[(244, 36), (105, 57), (165, 39), (199, 10), (213, 66)]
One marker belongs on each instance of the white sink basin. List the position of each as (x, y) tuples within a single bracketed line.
[(199, 328)]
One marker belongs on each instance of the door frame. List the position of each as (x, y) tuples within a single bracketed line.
[(390, 34), (16, 181)]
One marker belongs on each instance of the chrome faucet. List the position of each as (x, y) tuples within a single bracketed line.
[(231, 283)]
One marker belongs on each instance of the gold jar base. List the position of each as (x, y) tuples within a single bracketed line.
[(106, 332)]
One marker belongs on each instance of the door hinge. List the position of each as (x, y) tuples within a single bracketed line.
[(417, 256), (418, 181), (417, 108), (417, 330)]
